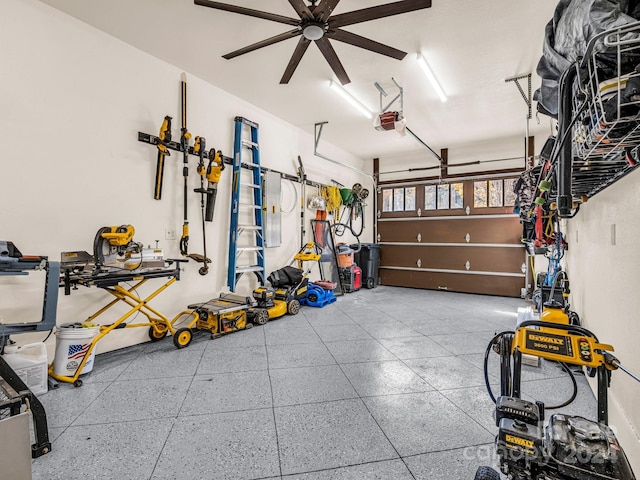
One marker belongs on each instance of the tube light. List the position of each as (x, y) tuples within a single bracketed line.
[(432, 78), (351, 99)]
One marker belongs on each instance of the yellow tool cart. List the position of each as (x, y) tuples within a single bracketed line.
[(117, 261)]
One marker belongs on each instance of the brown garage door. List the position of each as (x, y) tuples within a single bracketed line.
[(459, 235)]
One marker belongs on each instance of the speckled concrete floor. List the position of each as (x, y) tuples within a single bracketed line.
[(383, 384)]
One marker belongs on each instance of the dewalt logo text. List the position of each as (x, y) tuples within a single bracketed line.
[(519, 441), (542, 338)]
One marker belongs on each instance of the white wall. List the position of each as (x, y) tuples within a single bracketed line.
[(72, 100), (604, 291)]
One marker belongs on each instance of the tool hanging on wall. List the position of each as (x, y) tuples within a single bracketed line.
[(185, 136), (163, 138), (303, 196), (214, 171), (199, 148)]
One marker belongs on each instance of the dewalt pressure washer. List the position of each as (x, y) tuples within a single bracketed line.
[(568, 447)]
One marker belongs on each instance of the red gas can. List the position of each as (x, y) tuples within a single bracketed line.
[(357, 277)]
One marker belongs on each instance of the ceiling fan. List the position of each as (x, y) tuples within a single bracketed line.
[(317, 24)]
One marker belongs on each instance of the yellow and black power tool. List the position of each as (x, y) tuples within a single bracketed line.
[(163, 138), (110, 243), (567, 447), (219, 316)]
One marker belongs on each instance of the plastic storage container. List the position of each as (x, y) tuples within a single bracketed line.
[(368, 259), (30, 364), (345, 255), (72, 345)]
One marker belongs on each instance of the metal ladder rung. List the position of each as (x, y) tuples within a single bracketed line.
[(250, 185), (250, 165), (251, 205), (249, 227), (249, 268), (249, 144), (246, 249)]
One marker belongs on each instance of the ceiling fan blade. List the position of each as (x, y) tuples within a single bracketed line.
[(367, 44), (381, 11), (264, 43), (301, 9), (324, 9), (334, 62), (302, 46), (248, 11)]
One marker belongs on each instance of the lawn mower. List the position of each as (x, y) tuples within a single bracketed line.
[(289, 286), (568, 447)]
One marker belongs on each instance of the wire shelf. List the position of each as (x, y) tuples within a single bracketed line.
[(606, 104)]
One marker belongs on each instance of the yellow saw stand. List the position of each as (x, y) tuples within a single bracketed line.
[(158, 323)]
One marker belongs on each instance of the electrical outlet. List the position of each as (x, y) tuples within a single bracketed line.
[(169, 233)]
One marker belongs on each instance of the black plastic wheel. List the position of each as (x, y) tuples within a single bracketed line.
[(312, 297), (370, 282), (486, 473), (260, 317), (182, 338), (77, 383), (294, 307), (156, 335)]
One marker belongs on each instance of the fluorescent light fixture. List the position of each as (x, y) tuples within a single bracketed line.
[(351, 99), (432, 78)]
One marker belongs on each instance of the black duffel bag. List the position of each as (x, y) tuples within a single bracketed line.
[(285, 277)]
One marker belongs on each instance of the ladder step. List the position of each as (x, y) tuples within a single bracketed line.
[(249, 268), (250, 164), (253, 249), (249, 227), (249, 144), (251, 205), (250, 185)]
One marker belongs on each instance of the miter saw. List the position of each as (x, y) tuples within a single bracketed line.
[(113, 244), (113, 249)]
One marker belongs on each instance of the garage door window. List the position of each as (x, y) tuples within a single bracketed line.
[(443, 197), (480, 194), (457, 197), (430, 197), (399, 199), (495, 193), (509, 194)]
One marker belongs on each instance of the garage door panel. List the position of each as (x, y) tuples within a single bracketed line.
[(480, 230), (483, 259), (462, 239), (466, 283), (401, 231)]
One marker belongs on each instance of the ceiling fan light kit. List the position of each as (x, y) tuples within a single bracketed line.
[(318, 24), (313, 31), (431, 77)]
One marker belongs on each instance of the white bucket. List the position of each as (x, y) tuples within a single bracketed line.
[(72, 345), (30, 364)]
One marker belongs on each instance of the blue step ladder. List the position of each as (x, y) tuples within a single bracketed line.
[(254, 230)]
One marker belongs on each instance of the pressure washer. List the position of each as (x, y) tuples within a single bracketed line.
[(568, 447)]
